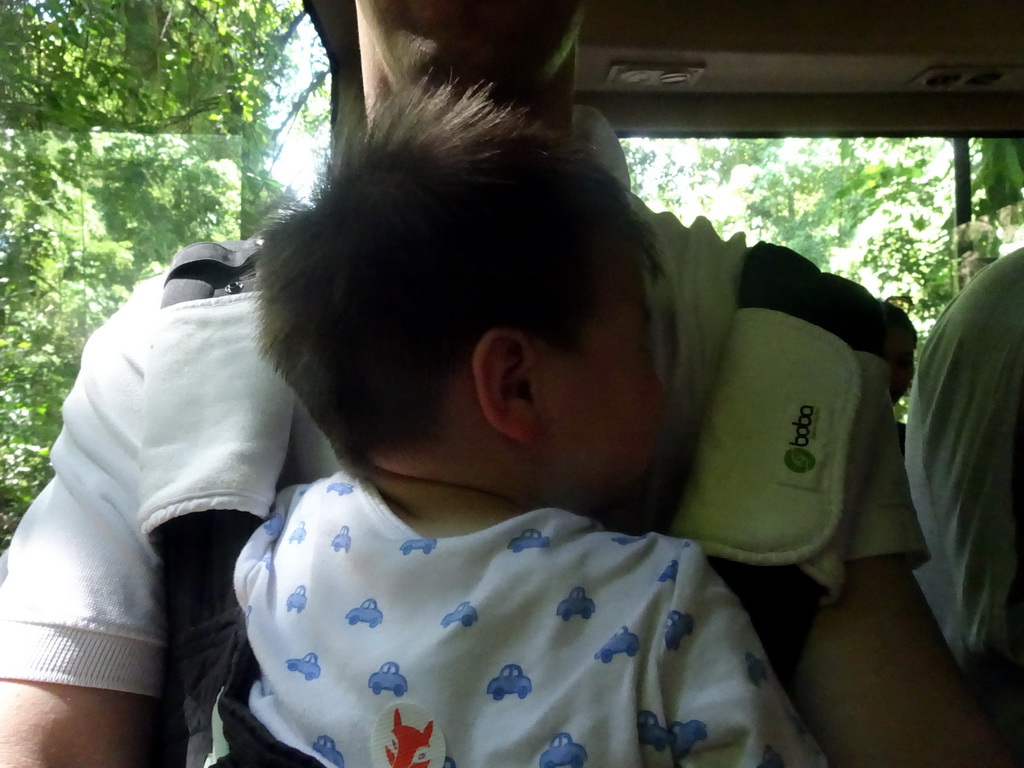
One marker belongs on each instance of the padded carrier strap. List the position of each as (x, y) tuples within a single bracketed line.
[(199, 551), (782, 600)]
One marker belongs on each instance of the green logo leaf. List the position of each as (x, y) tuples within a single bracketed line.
[(799, 460)]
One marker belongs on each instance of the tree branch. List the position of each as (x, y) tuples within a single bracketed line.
[(298, 104), (167, 21), (285, 36), (203, 106)]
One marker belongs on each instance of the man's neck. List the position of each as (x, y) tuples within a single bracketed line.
[(551, 102)]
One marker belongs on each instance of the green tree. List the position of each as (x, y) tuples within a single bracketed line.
[(876, 210), (997, 166), (998, 171), (127, 130)]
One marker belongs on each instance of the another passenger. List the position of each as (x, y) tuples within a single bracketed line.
[(900, 347), (965, 459)]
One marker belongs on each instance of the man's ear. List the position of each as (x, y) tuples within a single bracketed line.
[(504, 372)]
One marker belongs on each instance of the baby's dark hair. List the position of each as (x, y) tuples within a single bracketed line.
[(447, 217)]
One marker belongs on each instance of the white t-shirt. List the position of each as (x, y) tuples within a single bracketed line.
[(961, 429), (81, 598), (531, 642), (961, 432)]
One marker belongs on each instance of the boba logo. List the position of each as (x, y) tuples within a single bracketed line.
[(799, 460), (803, 426)]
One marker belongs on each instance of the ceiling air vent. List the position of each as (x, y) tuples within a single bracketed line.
[(963, 77), (658, 76)]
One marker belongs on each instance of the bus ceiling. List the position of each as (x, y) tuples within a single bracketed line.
[(804, 67)]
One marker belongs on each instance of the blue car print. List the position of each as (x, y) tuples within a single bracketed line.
[(649, 730), (622, 641), (268, 561), (342, 540), (670, 572), (577, 603), (342, 489), (677, 626), (296, 600), (463, 612), (388, 678), (756, 669), (531, 538), (683, 736), (425, 544), (563, 752), (274, 525), (510, 680), (299, 534), (367, 612), (325, 746), (308, 666), (448, 763), (771, 759), (624, 539)]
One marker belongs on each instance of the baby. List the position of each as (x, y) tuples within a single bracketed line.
[(463, 312)]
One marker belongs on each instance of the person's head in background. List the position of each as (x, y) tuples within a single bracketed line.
[(972, 264), (525, 48), (463, 303), (900, 346)]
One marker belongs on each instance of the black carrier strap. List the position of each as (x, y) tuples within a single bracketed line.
[(778, 278), (250, 744), (782, 601), (204, 270), (199, 551)]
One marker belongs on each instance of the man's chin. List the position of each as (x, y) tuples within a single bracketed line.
[(509, 82), (464, 76)]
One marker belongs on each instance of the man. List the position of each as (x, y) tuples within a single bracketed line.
[(874, 682)]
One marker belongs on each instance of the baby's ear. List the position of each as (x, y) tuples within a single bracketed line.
[(505, 364)]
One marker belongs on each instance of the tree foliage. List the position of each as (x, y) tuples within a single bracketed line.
[(998, 175), (128, 129), (877, 210)]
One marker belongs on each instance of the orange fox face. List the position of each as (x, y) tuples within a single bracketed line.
[(408, 745)]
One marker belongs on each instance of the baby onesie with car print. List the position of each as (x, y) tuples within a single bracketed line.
[(542, 641)]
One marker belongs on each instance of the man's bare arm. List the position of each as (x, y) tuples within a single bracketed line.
[(44, 725), (878, 686)]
